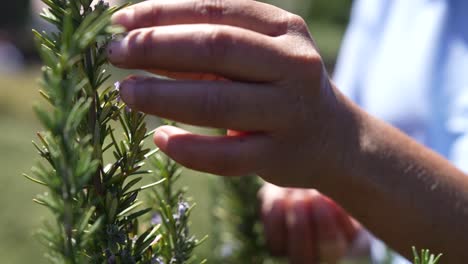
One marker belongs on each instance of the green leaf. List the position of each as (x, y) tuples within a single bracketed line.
[(129, 209), (84, 223), (34, 180), (45, 118), (135, 215), (131, 184)]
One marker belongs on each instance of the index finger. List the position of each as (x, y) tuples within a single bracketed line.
[(226, 51), (260, 17)]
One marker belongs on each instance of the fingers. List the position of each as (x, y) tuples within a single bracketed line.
[(301, 234), (333, 244), (274, 218), (231, 52), (252, 15), (224, 155), (188, 75), (349, 226), (221, 104), (316, 227)]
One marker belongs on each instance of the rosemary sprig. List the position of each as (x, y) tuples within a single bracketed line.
[(173, 212), (94, 204), (237, 217), (425, 257)]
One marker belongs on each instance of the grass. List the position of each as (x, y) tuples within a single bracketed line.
[(19, 215)]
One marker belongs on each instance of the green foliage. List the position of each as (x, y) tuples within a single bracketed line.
[(425, 257), (238, 217), (95, 204), (334, 12), (175, 245)]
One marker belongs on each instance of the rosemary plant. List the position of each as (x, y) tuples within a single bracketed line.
[(93, 201), (425, 257), (175, 245), (237, 216)]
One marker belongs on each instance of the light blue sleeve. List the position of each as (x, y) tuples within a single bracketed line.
[(455, 80), (363, 34), (359, 43), (437, 48)]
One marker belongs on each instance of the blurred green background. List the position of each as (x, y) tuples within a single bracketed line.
[(20, 217)]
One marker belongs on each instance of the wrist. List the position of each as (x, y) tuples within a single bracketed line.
[(343, 137)]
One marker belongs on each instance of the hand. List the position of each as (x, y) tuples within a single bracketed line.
[(270, 84), (240, 65), (306, 226)]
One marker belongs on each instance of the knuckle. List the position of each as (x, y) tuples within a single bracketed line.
[(217, 44), (140, 44), (309, 58), (280, 28), (213, 10), (297, 23), (147, 15), (155, 11), (306, 60)]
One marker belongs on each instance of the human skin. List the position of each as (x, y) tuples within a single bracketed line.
[(299, 130), (291, 211), (308, 227)]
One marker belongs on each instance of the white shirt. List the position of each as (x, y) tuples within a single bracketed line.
[(406, 62)]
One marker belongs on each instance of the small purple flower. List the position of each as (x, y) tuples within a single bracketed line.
[(111, 259), (227, 250), (157, 261), (183, 208), (110, 256), (156, 219), (117, 88)]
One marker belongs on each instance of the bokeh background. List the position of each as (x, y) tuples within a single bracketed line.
[(19, 74)]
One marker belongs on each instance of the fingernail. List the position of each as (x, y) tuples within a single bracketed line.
[(160, 139), (127, 92), (116, 50)]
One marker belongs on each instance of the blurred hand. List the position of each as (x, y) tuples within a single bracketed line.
[(305, 226), (278, 88)]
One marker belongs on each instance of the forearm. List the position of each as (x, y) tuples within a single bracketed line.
[(403, 192)]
